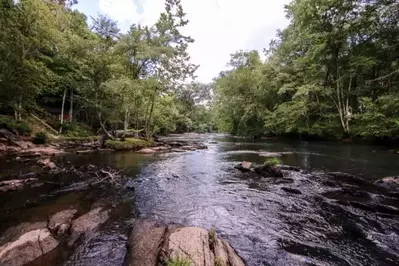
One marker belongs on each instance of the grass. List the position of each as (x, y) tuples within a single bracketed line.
[(178, 262), (68, 138), (212, 236), (128, 144), (219, 262), (272, 161)]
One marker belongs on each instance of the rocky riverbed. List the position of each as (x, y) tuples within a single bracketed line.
[(101, 208)]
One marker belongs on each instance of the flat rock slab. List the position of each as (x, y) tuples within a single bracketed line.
[(152, 244), (27, 247), (87, 223)]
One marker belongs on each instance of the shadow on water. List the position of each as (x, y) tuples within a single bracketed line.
[(311, 217)]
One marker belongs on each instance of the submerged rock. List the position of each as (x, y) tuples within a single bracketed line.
[(269, 171), (87, 223), (151, 244), (389, 182)]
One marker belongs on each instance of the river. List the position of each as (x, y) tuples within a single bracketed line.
[(312, 218)]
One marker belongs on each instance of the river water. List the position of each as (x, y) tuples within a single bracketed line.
[(311, 217)]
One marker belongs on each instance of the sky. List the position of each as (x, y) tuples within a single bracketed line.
[(219, 27)]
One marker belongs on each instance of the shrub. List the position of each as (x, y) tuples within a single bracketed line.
[(212, 236), (128, 144), (272, 161), (40, 138), (17, 127), (178, 262), (75, 129)]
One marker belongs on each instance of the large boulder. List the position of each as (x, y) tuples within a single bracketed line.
[(87, 223), (189, 244), (27, 247), (152, 244)]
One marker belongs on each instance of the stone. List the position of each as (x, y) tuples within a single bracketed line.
[(86, 223), (27, 247), (16, 184), (389, 182), (151, 244), (225, 254), (147, 151), (47, 163), (13, 233), (144, 242), (191, 244), (60, 222), (244, 166), (269, 171)]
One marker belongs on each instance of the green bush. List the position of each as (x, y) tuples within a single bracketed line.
[(128, 144), (179, 262), (17, 127), (75, 129), (272, 161), (40, 138)]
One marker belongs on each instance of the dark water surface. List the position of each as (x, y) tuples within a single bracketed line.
[(335, 220)]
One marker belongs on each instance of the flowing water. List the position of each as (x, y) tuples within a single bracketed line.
[(311, 217)]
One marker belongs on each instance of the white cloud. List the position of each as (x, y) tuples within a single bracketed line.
[(219, 27)]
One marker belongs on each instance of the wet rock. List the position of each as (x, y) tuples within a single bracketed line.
[(348, 178), (291, 190), (60, 223), (225, 254), (27, 247), (16, 184), (13, 233), (389, 182), (47, 163), (151, 244), (144, 243), (161, 149), (269, 171), (244, 166), (289, 168), (177, 150), (189, 243), (147, 151), (87, 223), (270, 154)]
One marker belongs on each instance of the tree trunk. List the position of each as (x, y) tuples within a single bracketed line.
[(126, 122), (102, 125), (62, 110), (148, 122), (71, 106)]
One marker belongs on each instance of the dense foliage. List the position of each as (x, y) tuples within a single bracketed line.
[(333, 72), (53, 65)]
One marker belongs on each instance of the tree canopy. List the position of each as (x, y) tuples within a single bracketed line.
[(333, 72)]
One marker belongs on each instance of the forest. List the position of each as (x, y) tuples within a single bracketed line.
[(332, 73), (79, 78)]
